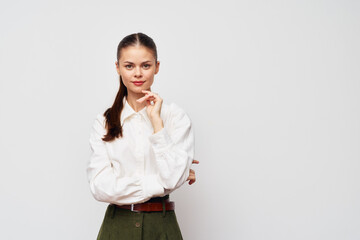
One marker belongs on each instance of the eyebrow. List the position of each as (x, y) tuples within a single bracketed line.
[(132, 62)]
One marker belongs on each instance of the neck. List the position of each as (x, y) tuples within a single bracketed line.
[(131, 99)]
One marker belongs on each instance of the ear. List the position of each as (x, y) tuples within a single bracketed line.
[(157, 67), (117, 67)]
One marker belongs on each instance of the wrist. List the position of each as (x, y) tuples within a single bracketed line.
[(157, 124)]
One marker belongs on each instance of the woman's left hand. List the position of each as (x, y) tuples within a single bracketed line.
[(153, 111), (192, 177)]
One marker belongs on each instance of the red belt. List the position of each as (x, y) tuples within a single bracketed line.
[(149, 206)]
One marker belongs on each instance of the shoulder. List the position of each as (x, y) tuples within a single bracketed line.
[(99, 123), (100, 119)]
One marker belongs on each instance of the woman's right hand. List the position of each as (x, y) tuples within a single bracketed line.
[(192, 177)]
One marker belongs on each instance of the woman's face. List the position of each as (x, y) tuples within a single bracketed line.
[(137, 68)]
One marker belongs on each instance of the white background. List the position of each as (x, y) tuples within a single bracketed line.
[(272, 88)]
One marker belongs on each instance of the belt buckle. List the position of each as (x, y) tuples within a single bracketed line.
[(132, 208)]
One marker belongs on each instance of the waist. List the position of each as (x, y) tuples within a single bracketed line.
[(153, 204), (159, 199)]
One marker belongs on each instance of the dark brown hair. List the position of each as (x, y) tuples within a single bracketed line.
[(112, 114)]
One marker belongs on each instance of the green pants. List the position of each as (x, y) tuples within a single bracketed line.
[(123, 224)]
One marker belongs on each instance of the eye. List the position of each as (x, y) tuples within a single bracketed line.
[(147, 65), (128, 66)]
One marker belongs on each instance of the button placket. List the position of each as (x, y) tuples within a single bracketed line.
[(138, 134), (140, 124), (138, 144), (141, 144)]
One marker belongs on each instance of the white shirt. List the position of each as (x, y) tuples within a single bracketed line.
[(141, 164)]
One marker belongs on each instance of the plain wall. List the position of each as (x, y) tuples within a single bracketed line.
[(272, 88)]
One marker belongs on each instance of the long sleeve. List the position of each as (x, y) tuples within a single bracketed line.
[(174, 149), (106, 184)]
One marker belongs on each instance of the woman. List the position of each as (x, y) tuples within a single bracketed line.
[(142, 150)]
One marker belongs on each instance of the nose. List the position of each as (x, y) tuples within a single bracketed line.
[(138, 72)]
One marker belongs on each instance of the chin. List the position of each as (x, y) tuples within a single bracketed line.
[(137, 90)]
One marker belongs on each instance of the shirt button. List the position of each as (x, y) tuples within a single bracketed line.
[(137, 224)]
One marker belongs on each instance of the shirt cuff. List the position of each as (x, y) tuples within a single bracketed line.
[(151, 186), (160, 140)]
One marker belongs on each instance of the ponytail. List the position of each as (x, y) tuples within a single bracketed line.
[(112, 115)]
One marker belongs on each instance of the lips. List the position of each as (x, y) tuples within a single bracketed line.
[(138, 83)]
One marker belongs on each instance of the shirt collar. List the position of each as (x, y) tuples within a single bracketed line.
[(128, 111)]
